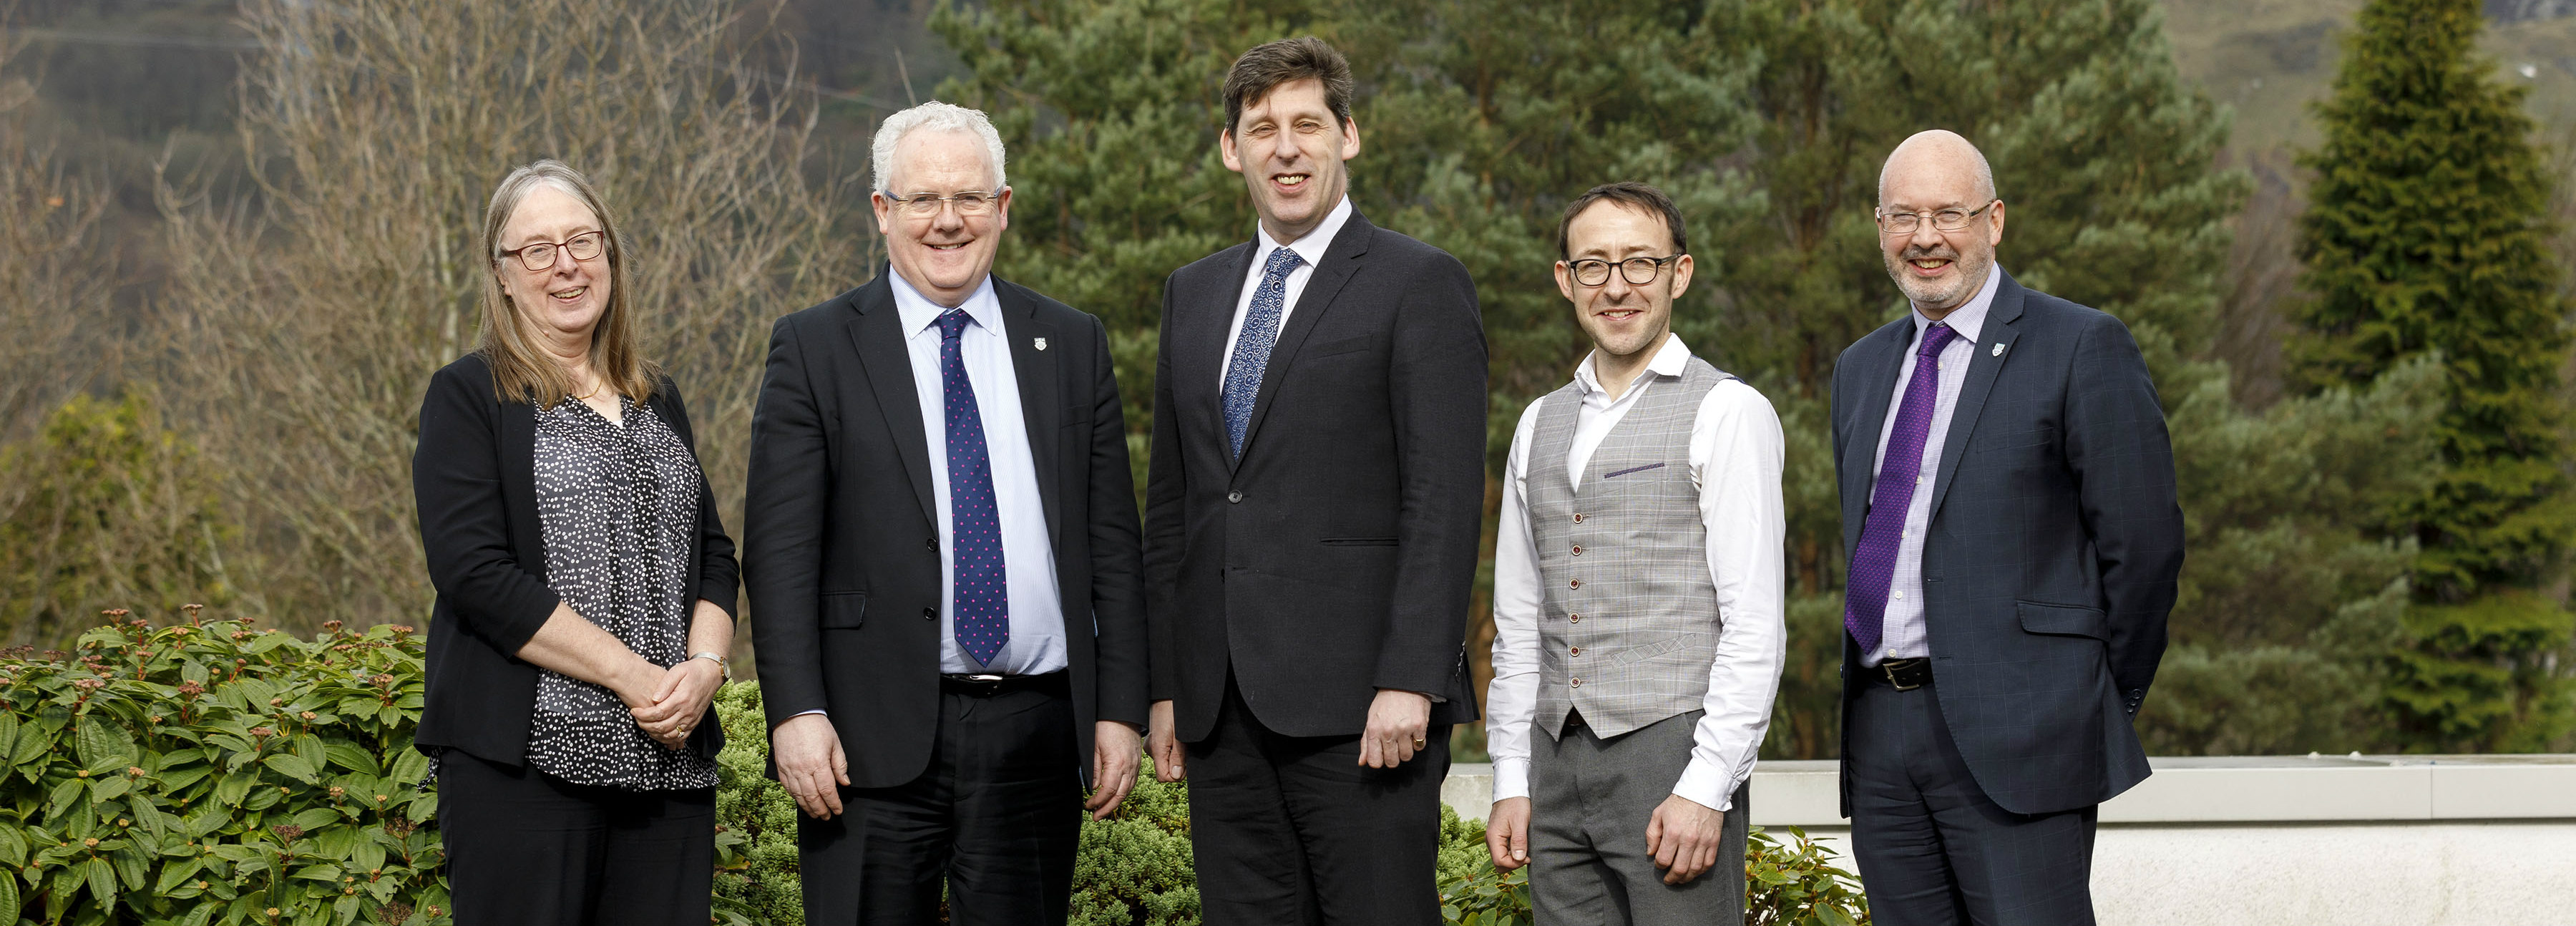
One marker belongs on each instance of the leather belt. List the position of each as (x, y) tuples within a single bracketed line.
[(985, 685), (1903, 674)]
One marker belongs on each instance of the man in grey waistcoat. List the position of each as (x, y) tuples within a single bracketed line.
[(1637, 597)]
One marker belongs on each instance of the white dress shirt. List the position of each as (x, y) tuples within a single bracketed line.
[(1311, 248), (1735, 459), (1902, 636), (1028, 558)]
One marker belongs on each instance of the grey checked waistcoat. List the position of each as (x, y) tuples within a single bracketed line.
[(1628, 625)]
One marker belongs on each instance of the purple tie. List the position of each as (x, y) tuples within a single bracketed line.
[(1873, 564), (983, 590)]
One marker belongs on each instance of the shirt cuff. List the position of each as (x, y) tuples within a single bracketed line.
[(1511, 778), (1702, 783), (803, 713)]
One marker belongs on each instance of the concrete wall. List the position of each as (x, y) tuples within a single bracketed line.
[(2282, 840)]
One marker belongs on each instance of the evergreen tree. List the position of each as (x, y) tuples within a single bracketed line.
[(2427, 234)]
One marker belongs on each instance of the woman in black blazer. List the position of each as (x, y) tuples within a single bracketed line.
[(585, 591)]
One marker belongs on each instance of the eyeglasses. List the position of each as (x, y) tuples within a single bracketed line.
[(1948, 220), (541, 255), (970, 204), (1638, 271)]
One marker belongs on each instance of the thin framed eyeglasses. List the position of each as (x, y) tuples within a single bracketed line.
[(969, 203), (1948, 220), (541, 255), (1638, 271)]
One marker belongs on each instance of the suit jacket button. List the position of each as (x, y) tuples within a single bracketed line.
[(930, 543), (1235, 497), (1576, 583), (930, 614)]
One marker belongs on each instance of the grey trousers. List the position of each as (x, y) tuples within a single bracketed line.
[(1933, 849), (1590, 801)]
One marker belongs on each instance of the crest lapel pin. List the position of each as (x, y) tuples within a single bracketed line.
[(1999, 348), (1039, 343)]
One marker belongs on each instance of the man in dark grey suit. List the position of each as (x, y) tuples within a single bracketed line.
[(1311, 525), (2008, 508)]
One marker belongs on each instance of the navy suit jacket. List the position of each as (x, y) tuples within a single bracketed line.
[(1336, 556), (2054, 542), (841, 551)]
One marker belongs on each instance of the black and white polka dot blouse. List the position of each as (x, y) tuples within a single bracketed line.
[(618, 504)]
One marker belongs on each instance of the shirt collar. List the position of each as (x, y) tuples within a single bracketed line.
[(1311, 247), (1669, 360), (1968, 320), (918, 312)]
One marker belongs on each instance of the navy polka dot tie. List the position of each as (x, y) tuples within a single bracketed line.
[(982, 613)]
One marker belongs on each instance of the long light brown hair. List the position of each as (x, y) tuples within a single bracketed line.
[(522, 371)]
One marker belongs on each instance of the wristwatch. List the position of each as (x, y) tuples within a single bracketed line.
[(719, 660)]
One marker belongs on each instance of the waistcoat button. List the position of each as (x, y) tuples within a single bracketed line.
[(1578, 683), (1578, 549), (1576, 651), (1574, 618), (1577, 583)]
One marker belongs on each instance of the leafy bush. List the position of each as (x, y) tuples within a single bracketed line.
[(214, 773)]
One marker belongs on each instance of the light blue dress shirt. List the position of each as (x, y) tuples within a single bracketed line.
[(1903, 636), (1037, 608)]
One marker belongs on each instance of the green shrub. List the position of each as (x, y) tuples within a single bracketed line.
[(214, 773)]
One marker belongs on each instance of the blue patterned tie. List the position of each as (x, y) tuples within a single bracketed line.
[(1252, 347), (1873, 562), (983, 609)]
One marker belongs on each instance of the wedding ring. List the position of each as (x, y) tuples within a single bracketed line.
[(1419, 742)]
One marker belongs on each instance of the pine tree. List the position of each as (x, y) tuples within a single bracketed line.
[(2427, 234)]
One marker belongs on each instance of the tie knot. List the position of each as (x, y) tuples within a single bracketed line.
[(1282, 261), (953, 323), (1935, 338)]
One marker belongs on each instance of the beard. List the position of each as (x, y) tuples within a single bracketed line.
[(1939, 294)]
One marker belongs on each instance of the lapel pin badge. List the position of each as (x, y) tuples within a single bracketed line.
[(1999, 348), (1039, 343)]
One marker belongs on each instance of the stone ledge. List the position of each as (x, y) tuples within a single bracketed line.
[(2216, 789)]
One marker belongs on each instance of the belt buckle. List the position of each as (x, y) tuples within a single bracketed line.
[(1883, 666), (982, 678)]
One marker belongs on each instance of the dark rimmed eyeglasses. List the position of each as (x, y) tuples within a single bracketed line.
[(541, 255), (1638, 271)]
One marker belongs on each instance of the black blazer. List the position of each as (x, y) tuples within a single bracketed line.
[(841, 533), (2054, 542), (474, 478), (1336, 557)]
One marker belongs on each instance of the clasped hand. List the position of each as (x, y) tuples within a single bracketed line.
[(672, 709)]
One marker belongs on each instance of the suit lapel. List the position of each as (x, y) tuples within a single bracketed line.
[(1341, 259), (1040, 393), (1876, 383), (877, 334), (1983, 365)]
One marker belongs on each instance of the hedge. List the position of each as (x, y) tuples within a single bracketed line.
[(215, 772)]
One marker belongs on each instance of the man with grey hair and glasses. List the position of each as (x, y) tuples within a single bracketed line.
[(943, 559), (2009, 514)]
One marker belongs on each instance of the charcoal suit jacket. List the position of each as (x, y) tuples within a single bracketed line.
[(2054, 543), (841, 553), (1335, 557)]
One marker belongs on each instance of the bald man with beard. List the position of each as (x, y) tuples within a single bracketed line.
[(2009, 515)]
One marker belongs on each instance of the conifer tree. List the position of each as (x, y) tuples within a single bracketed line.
[(2426, 234)]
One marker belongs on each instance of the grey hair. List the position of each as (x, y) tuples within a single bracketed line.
[(936, 116), (1985, 171)]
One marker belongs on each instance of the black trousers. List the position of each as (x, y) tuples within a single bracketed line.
[(994, 818), (1293, 830), (1932, 848), (525, 847)]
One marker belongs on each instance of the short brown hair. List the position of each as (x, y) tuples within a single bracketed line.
[(1643, 197), (521, 371), (1265, 67)]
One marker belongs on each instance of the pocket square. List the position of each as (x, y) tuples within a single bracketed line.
[(1632, 469)]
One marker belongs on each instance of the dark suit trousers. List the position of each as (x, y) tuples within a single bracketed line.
[(1932, 849), (1293, 830), (995, 817), (525, 847)]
